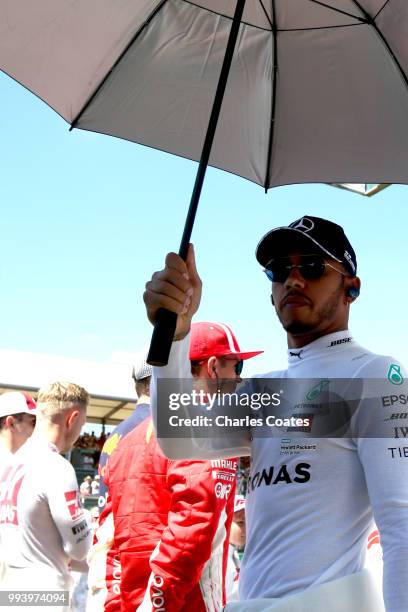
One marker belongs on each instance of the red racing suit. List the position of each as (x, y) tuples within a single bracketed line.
[(172, 523)]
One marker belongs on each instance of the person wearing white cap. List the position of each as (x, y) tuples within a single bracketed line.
[(17, 421)]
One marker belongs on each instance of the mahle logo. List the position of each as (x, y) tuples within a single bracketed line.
[(317, 389), (394, 374)]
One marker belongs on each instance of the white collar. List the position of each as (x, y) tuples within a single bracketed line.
[(329, 343)]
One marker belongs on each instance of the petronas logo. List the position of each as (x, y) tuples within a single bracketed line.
[(394, 374), (317, 389)]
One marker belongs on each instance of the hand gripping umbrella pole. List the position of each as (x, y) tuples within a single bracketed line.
[(166, 321)]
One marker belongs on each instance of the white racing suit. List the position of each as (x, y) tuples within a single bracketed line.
[(311, 501), (42, 522)]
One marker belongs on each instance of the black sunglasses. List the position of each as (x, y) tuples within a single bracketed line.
[(239, 367), (312, 267)]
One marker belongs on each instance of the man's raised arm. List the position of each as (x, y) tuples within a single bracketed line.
[(178, 288)]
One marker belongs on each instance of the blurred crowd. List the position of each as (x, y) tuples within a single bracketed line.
[(90, 441), (90, 486)]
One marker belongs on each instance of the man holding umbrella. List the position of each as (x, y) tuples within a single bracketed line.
[(306, 536)]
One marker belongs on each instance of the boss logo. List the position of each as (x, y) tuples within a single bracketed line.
[(398, 416)]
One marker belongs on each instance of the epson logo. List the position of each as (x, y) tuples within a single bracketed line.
[(341, 341), (390, 400)]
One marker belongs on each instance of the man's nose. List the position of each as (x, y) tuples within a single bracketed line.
[(295, 279)]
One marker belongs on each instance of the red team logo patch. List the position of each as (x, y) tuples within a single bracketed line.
[(373, 538), (74, 504), (10, 484)]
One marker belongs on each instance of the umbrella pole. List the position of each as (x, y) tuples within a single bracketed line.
[(166, 320)]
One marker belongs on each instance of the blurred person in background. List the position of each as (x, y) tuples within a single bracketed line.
[(95, 485), (102, 559), (172, 518), (17, 421), (42, 522), (141, 373), (236, 548), (86, 486)]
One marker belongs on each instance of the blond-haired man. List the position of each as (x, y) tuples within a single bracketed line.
[(42, 523)]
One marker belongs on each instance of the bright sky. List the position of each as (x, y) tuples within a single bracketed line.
[(87, 218)]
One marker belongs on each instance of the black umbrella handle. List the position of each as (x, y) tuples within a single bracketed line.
[(162, 337), (166, 321)]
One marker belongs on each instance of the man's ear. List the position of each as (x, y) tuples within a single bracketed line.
[(212, 367), (10, 420), (352, 287), (71, 418)]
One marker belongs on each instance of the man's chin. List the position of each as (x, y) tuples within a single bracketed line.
[(296, 327)]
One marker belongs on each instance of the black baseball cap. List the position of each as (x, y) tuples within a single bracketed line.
[(308, 232)]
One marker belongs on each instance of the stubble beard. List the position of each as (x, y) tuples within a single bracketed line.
[(326, 313)]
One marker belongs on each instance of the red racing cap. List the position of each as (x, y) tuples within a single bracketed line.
[(209, 339)]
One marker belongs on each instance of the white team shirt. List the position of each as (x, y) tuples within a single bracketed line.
[(42, 522), (309, 511), (5, 455)]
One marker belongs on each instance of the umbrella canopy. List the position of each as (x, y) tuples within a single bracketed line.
[(317, 91)]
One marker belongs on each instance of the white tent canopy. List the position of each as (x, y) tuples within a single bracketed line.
[(110, 384)]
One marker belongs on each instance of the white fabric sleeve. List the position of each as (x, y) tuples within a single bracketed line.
[(72, 522), (385, 463), (223, 444)]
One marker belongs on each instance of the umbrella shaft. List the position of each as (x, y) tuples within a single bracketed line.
[(212, 125), (166, 321)]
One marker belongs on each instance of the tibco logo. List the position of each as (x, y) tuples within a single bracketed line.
[(398, 451)]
